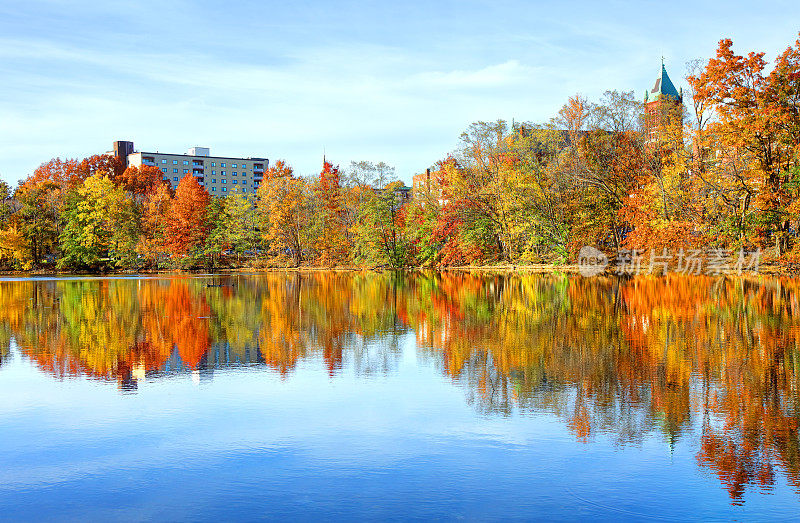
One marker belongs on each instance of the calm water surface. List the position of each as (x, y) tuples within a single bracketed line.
[(388, 396)]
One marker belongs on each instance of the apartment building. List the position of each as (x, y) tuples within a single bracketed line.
[(218, 174)]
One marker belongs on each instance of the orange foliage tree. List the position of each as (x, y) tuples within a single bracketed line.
[(331, 237), (141, 180), (155, 216), (754, 118), (72, 172), (187, 221)]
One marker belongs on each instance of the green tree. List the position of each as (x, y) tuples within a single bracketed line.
[(232, 220), (380, 229), (39, 218), (5, 203), (241, 222)]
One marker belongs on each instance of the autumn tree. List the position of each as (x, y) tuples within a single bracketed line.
[(330, 231), (365, 173), (420, 223), (141, 180), (5, 203), (587, 160), (284, 209), (381, 230), (480, 191), (11, 241), (71, 173), (152, 245), (542, 158), (754, 117), (38, 219), (187, 222), (662, 208), (101, 224), (232, 221)]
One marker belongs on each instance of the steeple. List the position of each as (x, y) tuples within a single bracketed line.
[(662, 104), (663, 87)]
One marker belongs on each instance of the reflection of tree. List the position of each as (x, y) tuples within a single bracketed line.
[(280, 340), (188, 315), (123, 329), (5, 343), (627, 357), (607, 356), (751, 418)]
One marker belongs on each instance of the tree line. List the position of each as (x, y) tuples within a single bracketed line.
[(721, 171)]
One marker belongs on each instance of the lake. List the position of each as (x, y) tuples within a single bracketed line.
[(399, 396)]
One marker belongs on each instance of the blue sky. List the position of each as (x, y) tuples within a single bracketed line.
[(390, 81)]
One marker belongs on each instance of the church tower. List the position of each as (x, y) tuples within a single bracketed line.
[(662, 102)]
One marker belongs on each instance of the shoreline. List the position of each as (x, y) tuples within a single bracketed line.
[(770, 269)]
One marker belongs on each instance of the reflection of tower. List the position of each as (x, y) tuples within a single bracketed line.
[(661, 102)]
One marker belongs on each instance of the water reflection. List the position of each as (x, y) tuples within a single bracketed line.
[(622, 358)]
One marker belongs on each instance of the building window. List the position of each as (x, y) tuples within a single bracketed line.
[(222, 172), (222, 164), (235, 173), (175, 179), (163, 169), (244, 166), (186, 162), (213, 189), (174, 162), (213, 180), (213, 164), (233, 165), (234, 181), (186, 171), (224, 189), (175, 171), (164, 161), (244, 189), (213, 172), (223, 180)]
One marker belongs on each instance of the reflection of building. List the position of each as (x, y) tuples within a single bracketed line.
[(660, 102), (219, 174)]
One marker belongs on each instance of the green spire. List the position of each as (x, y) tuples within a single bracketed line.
[(663, 87)]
